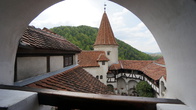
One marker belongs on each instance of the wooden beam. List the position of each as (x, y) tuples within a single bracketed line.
[(87, 101)]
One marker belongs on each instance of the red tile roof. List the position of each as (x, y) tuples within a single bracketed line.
[(91, 58), (105, 34), (130, 64), (75, 80), (154, 71), (160, 61), (37, 38), (149, 68)]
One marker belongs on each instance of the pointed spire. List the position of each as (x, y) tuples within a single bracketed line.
[(105, 34)]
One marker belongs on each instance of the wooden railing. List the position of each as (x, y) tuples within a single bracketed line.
[(133, 76), (65, 100)]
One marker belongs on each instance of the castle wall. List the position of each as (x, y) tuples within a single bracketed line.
[(99, 71)]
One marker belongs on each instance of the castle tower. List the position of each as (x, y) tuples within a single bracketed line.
[(106, 41)]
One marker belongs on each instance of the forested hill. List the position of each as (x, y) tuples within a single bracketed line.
[(84, 37)]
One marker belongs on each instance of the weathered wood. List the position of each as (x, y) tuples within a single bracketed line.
[(87, 101)]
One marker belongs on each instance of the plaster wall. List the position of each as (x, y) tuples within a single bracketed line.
[(172, 22), (102, 70), (75, 59), (56, 63), (30, 66), (15, 17), (113, 52)]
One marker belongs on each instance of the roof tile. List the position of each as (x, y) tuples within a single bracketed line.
[(154, 71), (105, 34), (91, 58), (160, 61), (75, 79), (45, 39), (149, 68)]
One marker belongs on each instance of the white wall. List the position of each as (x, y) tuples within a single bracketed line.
[(102, 70), (30, 66), (75, 59), (172, 22), (56, 63), (113, 52), (15, 17)]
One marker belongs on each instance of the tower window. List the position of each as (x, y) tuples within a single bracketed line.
[(101, 77), (97, 77), (103, 63), (108, 52)]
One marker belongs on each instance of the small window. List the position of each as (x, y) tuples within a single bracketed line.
[(68, 60), (101, 77), (97, 77), (103, 63), (108, 52)]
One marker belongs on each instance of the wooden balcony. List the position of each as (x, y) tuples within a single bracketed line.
[(65, 100)]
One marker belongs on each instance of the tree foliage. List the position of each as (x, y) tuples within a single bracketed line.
[(84, 37), (143, 89)]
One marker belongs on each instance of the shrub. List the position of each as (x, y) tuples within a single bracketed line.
[(143, 89)]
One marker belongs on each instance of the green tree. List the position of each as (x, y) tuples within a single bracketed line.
[(143, 89), (84, 37)]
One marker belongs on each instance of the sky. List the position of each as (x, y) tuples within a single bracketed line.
[(125, 25)]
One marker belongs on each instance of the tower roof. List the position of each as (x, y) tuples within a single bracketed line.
[(105, 34)]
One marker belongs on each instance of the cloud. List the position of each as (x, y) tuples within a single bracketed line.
[(126, 26), (69, 12)]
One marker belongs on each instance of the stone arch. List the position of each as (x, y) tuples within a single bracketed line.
[(121, 86), (131, 87), (162, 89), (170, 21), (110, 87)]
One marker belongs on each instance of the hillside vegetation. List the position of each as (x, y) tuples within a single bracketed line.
[(84, 37)]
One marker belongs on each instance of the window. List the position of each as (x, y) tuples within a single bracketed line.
[(68, 60), (108, 52), (101, 77), (97, 77), (103, 63)]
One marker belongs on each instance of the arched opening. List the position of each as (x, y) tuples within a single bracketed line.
[(131, 88), (110, 88), (101, 76), (97, 76), (163, 88), (121, 86), (171, 22)]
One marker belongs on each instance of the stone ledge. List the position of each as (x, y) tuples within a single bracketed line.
[(172, 107), (18, 100)]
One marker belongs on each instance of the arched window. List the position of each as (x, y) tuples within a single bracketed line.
[(101, 77), (97, 77)]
